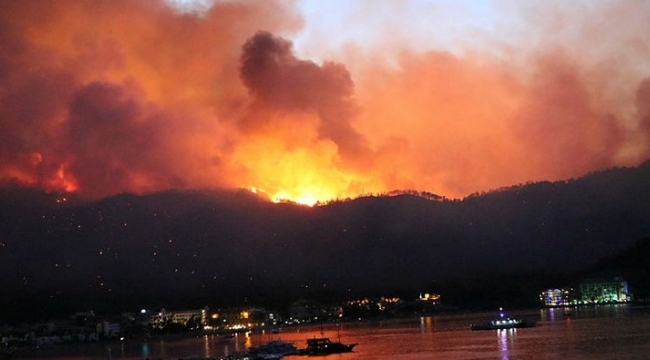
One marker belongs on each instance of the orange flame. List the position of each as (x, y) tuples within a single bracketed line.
[(291, 163), (174, 108), (61, 181)]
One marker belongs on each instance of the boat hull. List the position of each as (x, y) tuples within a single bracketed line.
[(324, 346), (504, 326)]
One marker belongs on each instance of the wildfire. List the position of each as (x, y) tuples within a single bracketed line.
[(62, 181), (308, 197), (208, 100), (283, 196), (305, 198), (298, 169)]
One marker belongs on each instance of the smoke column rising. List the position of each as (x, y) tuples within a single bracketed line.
[(104, 97)]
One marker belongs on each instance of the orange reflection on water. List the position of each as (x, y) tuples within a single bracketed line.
[(426, 324)]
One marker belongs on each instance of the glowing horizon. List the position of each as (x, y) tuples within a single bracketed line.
[(308, 101)]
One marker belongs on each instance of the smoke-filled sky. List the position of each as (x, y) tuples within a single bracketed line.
[(315, 100)]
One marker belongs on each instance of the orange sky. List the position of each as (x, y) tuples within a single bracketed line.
[(105, 97)]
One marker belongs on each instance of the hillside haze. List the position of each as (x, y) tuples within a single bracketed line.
[(221, 248)]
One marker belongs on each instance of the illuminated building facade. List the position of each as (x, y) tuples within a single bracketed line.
[(601, 291), (557, 297), (592, 291), (197, 318)]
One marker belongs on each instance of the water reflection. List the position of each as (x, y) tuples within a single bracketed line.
[(145, 351), (603, 332), (547, 314), (552, 314), (249, 341), (426, 324), (506, 342), (206, 346), (584, 312)]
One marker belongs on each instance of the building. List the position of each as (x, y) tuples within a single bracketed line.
[(590, 291), (192, 318), (604, 291), (557, 297)]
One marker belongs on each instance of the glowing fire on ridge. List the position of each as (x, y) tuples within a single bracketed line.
[(86, 107), (284, 196), (289, 163), (306, 187)]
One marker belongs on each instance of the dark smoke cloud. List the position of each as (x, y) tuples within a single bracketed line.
[(111, 137), (103, 97), (108, 97), (280, 81)]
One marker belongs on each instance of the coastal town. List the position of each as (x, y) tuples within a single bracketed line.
[(88, 326)]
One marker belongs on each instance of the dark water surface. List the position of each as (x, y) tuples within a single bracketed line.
[(603, 332)]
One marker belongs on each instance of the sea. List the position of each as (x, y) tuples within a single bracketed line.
[(596, 332)]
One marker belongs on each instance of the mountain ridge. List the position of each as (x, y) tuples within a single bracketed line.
[(203, 247)]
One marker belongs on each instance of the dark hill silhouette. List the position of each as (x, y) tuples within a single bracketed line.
[(213, 247)]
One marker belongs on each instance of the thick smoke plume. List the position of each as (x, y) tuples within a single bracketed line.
[(104, 97), (279, 81)]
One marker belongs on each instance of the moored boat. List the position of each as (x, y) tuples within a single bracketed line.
[(325, 346), (503, 322)]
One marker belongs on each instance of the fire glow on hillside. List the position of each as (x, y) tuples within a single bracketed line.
[(102, 98)]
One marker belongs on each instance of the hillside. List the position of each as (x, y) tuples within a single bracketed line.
[(212, 247)]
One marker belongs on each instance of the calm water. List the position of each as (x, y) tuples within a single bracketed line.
[(605, 332)]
